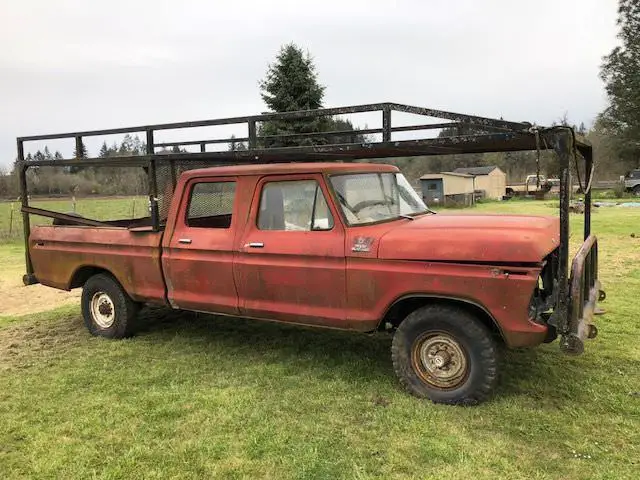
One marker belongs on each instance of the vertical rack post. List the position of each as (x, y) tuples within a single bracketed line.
[(386, 123), (253, 140), (79, 152), (153, 182), (562, 143), (28, 279)]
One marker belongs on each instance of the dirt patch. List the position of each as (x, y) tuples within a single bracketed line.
[(16, 299), (26, 344)]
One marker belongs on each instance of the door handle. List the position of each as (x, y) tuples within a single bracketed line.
[(184, 240), (255, 245)]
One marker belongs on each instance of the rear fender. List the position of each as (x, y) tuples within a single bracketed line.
[(83, 273)]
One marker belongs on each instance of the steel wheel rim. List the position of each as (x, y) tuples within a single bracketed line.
[(440, 360), (103, 310)]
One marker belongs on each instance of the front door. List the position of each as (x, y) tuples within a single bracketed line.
[(290, 262), (198, 257)]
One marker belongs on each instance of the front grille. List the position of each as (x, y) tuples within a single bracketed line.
[(544, 295)]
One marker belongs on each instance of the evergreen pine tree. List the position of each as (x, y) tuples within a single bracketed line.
[(104, 150), (126, 146), (291, 84), (83, 154)]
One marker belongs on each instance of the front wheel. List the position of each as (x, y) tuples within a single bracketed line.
[(107, 309), (445, 354)]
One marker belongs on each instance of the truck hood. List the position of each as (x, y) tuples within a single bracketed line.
[(496, 239)]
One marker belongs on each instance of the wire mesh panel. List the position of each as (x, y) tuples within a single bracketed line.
[(211, 204), (167, 174)]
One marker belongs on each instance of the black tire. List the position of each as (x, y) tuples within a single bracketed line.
[(107, 309), (636, 190), (460, 352)]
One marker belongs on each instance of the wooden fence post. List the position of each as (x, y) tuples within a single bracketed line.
[(11, 219)]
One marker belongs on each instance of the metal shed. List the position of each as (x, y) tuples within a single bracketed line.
[(490, 180), (447, 188)]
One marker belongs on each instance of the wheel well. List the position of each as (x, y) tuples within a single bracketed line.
[(83, 274), (403, 307)]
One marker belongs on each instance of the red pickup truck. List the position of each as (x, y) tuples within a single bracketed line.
[(347, 246)]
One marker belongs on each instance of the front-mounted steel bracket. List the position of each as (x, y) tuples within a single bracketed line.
[(561, 139)]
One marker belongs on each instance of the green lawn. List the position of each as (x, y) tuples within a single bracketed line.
[(97, 208), (196, 396)]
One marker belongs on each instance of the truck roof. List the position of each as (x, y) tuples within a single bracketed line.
[(289, 168)]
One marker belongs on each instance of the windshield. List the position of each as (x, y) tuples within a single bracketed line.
[(374, 197)]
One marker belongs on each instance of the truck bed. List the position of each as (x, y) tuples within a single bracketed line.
[(65, 255)]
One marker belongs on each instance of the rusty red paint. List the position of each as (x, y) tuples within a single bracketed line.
[(59, 252), (312, 277)]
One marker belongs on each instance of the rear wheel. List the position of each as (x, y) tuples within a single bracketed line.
[(107, 309), (446, 355), (636, 190)]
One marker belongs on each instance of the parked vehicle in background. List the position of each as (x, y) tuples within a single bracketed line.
[(632, 182), (531, 186)]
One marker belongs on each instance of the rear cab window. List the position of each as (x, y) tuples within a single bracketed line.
[(211, 204)]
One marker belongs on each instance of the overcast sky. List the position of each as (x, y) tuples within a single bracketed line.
[(70, 65)]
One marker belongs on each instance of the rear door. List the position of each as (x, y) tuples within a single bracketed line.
[(198, 258), (290, 262)]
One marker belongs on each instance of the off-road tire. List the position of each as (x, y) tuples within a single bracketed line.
[(119, 323), (474, 341)]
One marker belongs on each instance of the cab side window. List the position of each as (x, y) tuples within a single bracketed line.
[(297, 205), (211, 205)]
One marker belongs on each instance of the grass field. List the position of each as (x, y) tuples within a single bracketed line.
[(104, 208), (197, 396)]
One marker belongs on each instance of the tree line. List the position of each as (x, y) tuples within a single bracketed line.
[(65, 181), (291, 83)]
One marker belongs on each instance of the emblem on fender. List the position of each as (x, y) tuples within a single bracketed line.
[(362, 244)]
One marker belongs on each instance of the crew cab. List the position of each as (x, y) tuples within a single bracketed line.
[(349, 246)]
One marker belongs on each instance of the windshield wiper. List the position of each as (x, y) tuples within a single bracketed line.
[(412, 217)]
